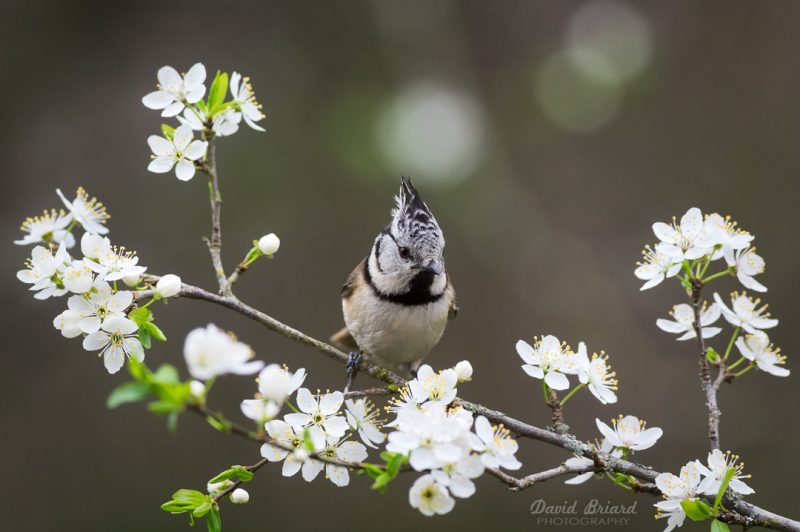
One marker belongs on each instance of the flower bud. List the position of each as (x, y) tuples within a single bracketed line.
[(464, 371), (239, 496), (168, 286), (215, 488), (197, 389), (269, 244), (131, 280)]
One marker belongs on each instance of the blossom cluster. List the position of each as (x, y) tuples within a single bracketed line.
[(97, 309), (626, 434), (551, 360), (695, 480), (686, 250), (181, 96), (705, 239), (446, 441)]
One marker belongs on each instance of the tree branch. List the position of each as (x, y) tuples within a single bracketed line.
[(741, 511), (709, 388), (519, 484), (215, 244)]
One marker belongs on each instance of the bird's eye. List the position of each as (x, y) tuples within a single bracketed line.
[(404, 253)]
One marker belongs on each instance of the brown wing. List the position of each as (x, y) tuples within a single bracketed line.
[(343, 339), (453, 306), (355, 279)]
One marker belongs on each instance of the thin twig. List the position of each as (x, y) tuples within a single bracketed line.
[(709, 388), (744, 512), (215, 196), (519, 484)]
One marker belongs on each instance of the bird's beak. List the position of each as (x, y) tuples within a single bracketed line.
[(433, 266)]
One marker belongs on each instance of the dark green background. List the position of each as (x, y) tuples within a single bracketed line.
[(542, 234)]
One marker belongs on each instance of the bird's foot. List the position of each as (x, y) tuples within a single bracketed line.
[(354, 359)]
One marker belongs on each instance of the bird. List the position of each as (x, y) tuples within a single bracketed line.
[(397, 301)]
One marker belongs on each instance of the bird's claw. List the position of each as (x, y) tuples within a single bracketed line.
[(354, 359)]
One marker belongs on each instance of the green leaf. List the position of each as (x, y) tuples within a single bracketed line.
[(719, 526), (220, 425), (140, 315), (373, 471), (216, 95), (696, 509), (129, 392), (307, 441), (225, 475), (154, 331), (172, 421), (144, 337), (163, 407), (202, 510), (214, 521), (382, 482), (166, 374), (168, 131), (729, 474), (711, 355)]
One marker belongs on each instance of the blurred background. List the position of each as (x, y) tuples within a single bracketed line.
[(546, 137)]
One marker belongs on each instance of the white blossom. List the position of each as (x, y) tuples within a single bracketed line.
[(683, 321), (276, 383), (655, 268), (110, 263), (260, 410), (335, 449), (684, 240), (724, 235), (78, 277), (181, 151), (68, 323), (581, 462), (757, 348), (548, 359), (434, 386), (496, 445), (675, 490), (116, 340), (714, 474), (211, 352), (429, 437), (362, 416), (93, 245), (240, 496), (269, 244), (98, 305), (457, 476), (223, 124), (242, 93), (89, 212), (746, 313), (597, 374), (168, 286), (629, 433), (319, 415), (288, 438), (430, 497), (748, 263), (463, 371), (50, 226), (175, 91), (44, 271)]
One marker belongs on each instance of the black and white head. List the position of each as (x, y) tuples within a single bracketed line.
[(407, 256)]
